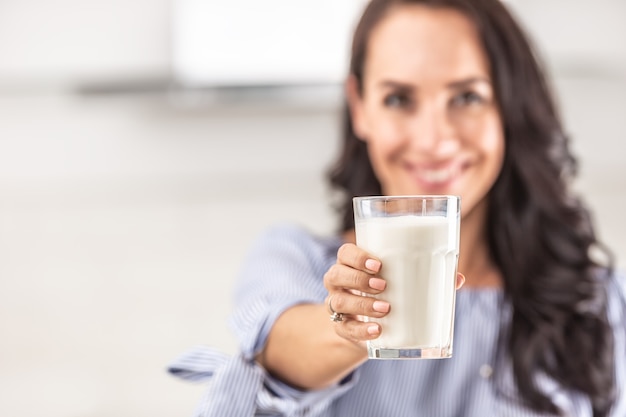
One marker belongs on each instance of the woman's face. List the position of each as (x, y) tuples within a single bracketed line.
[(427, 110)]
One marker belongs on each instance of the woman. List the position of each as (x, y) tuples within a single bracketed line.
[(444, 97)]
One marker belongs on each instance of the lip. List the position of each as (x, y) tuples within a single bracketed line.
[(436, 176)]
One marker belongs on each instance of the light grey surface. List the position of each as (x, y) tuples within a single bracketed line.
[(122, 224), (123, 218)]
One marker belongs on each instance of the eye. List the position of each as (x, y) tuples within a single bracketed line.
[(467, 98), (399, 100)]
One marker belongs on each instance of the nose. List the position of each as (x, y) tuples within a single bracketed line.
[(432, 131)]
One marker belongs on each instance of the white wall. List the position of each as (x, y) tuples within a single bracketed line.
[(122, 223), (123, 218)]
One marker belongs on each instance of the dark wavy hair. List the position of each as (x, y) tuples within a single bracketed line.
[(540, 236)]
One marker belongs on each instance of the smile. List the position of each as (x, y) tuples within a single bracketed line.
[(436, 176)]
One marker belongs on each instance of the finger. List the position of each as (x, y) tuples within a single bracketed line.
[(351, 255), (357, 305), (356, 330), (460, 280), (340, 276)]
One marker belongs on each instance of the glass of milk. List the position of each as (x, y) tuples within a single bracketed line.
[(417, 240)]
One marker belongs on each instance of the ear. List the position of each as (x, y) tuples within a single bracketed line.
[(356, 106)]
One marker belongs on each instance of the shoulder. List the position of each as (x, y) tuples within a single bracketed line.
[(616, 295), (617, 280), (289, 231), (296, 237), (291, 245), (616, 311)]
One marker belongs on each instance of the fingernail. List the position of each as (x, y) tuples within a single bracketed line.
[(381, 306), (377, 283), (373, 329), (373, 265), (460, 280)]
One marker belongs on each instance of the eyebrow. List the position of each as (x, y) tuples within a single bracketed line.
[(396, 85), (453, 85), (468, 81)]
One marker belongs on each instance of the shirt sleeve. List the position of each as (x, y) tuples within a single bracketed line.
[(284, 267), (238, 387)]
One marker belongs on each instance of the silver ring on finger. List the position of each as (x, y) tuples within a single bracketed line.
[(334, 316)]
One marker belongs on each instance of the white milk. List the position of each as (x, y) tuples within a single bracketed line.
[(419, 259)]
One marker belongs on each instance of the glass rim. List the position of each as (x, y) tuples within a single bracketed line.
[(407, 197)]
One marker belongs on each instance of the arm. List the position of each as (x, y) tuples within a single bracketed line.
[(306, 349)]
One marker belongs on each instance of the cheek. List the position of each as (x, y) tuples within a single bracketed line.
[(493, 143), (378, 153), (384, 147), (485, 134), (492, 147), (386, 135)]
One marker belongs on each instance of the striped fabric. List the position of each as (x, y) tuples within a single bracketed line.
[(285, 267)]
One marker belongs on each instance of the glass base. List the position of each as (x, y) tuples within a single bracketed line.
[(390, 353)]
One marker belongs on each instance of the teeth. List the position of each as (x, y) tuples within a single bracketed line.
[(437, 175)]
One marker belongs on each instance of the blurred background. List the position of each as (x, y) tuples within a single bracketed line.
[(145, 144)]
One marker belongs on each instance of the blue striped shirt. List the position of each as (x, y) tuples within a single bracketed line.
[(285, 267)]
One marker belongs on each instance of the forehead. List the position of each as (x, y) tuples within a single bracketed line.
[(421, 41)]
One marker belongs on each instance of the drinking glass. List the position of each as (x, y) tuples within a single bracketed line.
[(417, 240)]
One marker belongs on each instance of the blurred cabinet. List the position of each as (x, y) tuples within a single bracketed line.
[(63, 41), (273, 42)]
